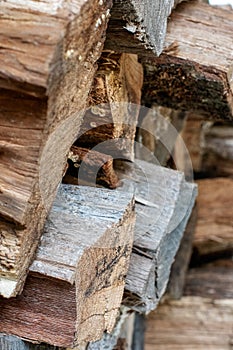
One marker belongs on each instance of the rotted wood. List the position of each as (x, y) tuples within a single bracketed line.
[(213, 234), (164, 202), (138, 26), (217, 150), (46, 72), (97, 168), (182, 259), (201, 319), (194, 72), (114, 104), (76, 282)]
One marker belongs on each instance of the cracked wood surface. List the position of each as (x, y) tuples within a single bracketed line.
[(46, 72), (138, 26), (164, 202), (194, 71), (76, 282)]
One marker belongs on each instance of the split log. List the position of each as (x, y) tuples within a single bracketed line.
[(138, 26), (93, 163), (214, 280), (202, 320), (213, 232), (182, 259), (114, 102), (164, 201), (8, 342), (112, 341), (46, 72), (76, 282), (195, 71), (217, 150)]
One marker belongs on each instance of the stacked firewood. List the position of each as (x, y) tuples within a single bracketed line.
[(96, 190)]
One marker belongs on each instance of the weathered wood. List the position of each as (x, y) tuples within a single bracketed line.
[(200, 320), (139, 332), (164, 201), (97, 168), (213, 232), (114, 101), (109, 341), (214, 280), (8, 342), (195, 71), (182, 259), (76, 282), (217, 150), (138, 26), (46, 72), (191, 323)]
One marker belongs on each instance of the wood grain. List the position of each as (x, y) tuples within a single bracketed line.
[(195, 71), (45, 76), (76, 282)]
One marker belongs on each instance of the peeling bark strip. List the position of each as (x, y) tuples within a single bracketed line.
[(46, 70), (195, 70), (77, 277), (164, 202), (114, 102), (138, 26)]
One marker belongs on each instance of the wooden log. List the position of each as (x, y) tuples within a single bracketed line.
[(46, 72), (200, 320), (217, 150), (180, 265), (214, 280), (95, 166), (138, 26), (9, 342), (157, 133), (213, 232), (164, 201), (76, 282), (110, 341), (194, 72), (114, 102)]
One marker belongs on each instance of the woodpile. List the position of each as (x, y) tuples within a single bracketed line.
[(106, 110)]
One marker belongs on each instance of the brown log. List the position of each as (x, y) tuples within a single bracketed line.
[(213, 233), (76, 282), (46, 72), (195, 71), (200, 320), (217, 150), (114, 103)]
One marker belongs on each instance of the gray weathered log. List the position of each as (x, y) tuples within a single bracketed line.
[(76, 282), (138, 26), (195, 71), (8, 342), (164, 202)]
